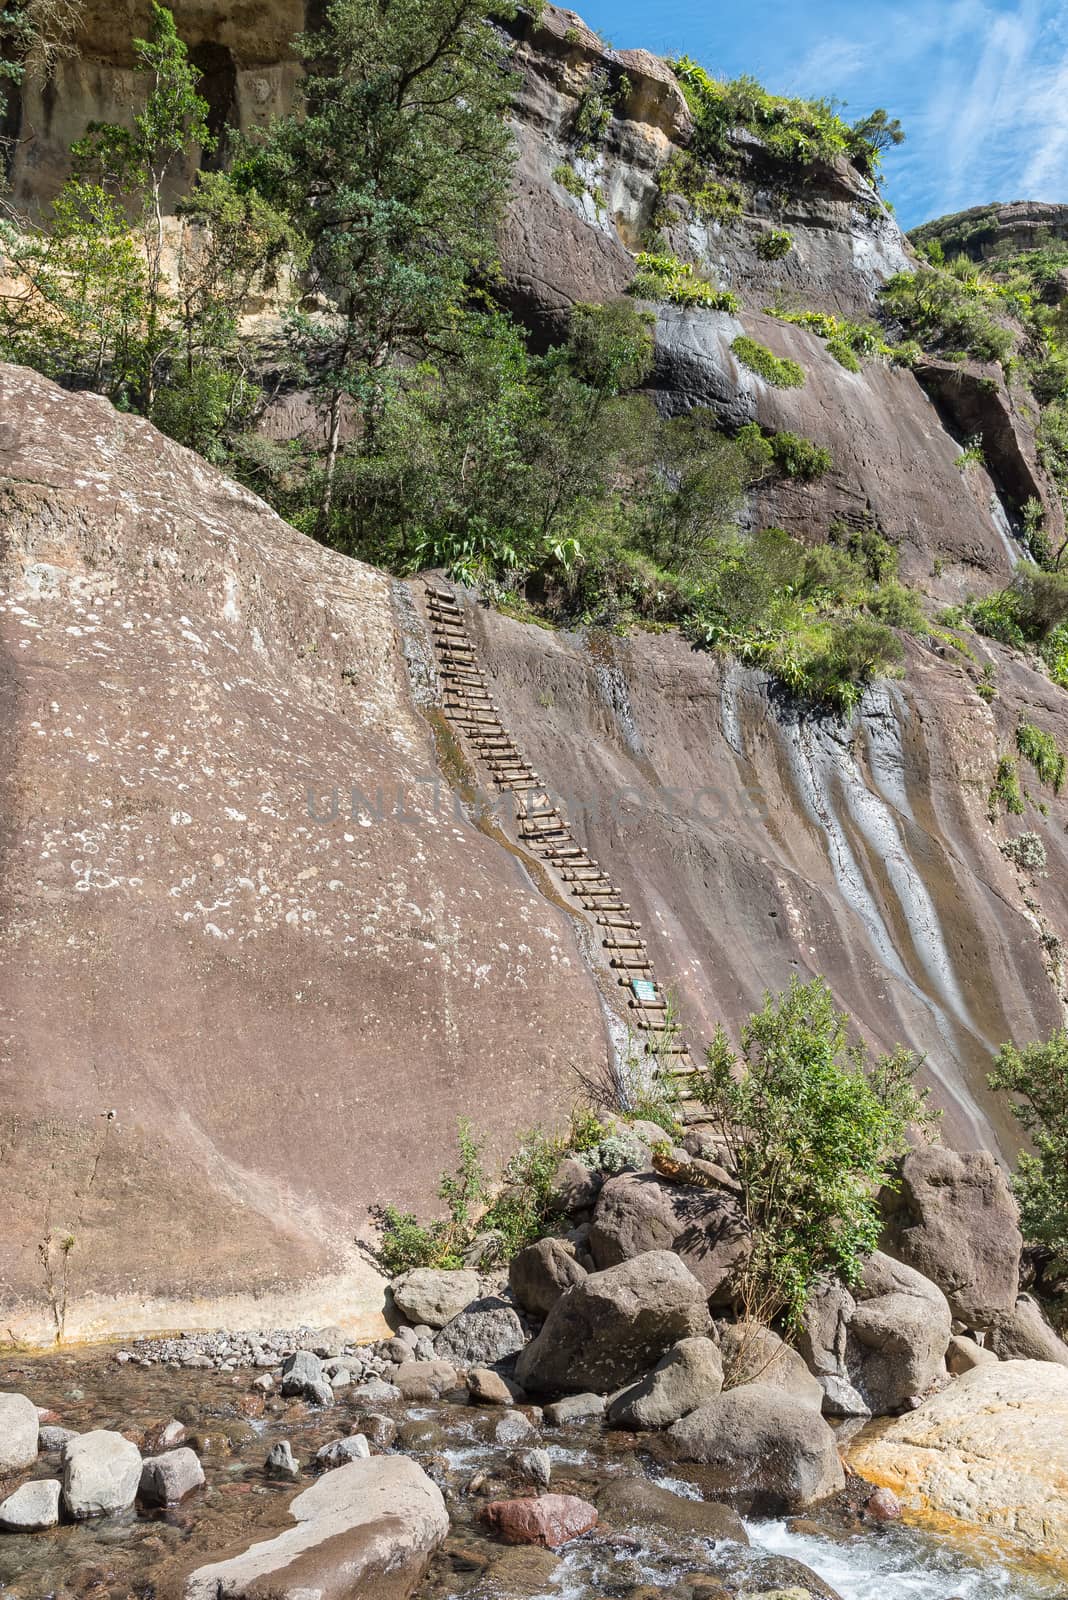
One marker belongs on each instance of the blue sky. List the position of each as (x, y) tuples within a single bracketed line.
[(981, 88)]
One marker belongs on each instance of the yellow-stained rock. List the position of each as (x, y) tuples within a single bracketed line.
[(989, 1453)]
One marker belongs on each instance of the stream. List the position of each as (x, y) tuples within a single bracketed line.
[(146, 1556)]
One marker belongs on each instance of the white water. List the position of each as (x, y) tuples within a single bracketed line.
[(898, 1563)]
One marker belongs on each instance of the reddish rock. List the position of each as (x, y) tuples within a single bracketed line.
[(883, 1506), (551, 1521)]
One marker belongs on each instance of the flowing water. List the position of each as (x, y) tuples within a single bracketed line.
[(142, 1556)]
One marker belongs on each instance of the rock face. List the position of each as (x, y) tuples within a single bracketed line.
[(19, 1431), (762, 1447), (615, 1325), (989, 1453), (954, 1219), (705, 1228), (888, 1340), (1027, 1336), (365, 1531), (690, 1374), (164, 636), (101, 1474)]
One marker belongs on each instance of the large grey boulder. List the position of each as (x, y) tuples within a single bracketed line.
[(487, 1332), (1025, 1335), (434, 1296), (954, 1219), (690, 1374), (887, 1338), (33, 1507), (368, 1528), (640, 1211), (101, 1474), (539, 1275), (167, 1479), (752, 1353), (614, 1325), (762, 1448), (19, 1427)]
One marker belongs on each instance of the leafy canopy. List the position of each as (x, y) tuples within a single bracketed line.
[(813, 1128)]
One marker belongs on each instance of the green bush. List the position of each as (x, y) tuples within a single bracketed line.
[(941, 310), (664, 277), (566, 176), (1036, 1077), (797, 457), (972, 454), (776, 370), (1027, 851), (813, 1129), (795, 132), (774, 244), (517, 1210), (847, 341), (711, 199), (1005, 789), (1044, 754)]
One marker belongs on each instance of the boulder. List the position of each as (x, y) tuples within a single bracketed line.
[(639, 1212), (887, 1339), (487, 1332), (33, 1507), (488, 1388), (783, 1578), (303, 1374), (752, 1353), (433, 1296), (1025, 1335), (954, 1220), (19, 1430), (539, 1275), (964, 1354), (425, 1380), (551, 1520), (607, 1330), (762, 1447), (52, 1438), (101, 1474), (690, 1374), (575, 1187), (990, 1453), (353, 1448), (635, 1502), (513, 1428), (167, 1479), (365, 1529)]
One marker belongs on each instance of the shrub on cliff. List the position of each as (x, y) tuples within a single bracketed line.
[(1037, 1079), (946, 313), (813, 1128), (779, 371)]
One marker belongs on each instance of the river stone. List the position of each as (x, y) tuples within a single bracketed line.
[(763, 1447), (574, 1408), (783, 1578), (513, 1428), (490, 1389), (551, 1520), (368, 1528), (639, 1211), (607, 1330), (434, 1296), (376, 1392), (101, 1474), (19, 1429), (281, 1462), (303, 1374), (690, 1374), (1027, 1336), (425, 1380), (167, 1479), (575, 1186), (633, 1501), (33, 1507), (954, 1219), (51, 1438), (485, 1333), (353, 1448), (539, 1275), (377, 1428), (533, 1466), (989, 1453), (754, 1354)]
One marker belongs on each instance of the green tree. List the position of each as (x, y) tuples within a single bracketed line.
[(138, 163), (871, 137), (813, 1128), (395, 171), (1037, 1078)]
